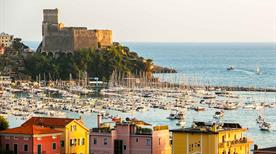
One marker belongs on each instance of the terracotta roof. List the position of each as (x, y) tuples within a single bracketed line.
[(48, 122), (30, 130)]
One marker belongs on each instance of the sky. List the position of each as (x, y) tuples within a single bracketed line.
[(149, 20)]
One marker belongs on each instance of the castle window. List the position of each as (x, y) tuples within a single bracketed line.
[(82, 141), (95, 141), (137, 140)]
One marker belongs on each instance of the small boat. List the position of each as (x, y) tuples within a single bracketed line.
[(176, 116), (181, 122), (171, 116), (198, 108), (260, 119), (218, 114), (265, 126), (229, 68)]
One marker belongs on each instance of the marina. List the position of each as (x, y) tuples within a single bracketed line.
[(175, 107)]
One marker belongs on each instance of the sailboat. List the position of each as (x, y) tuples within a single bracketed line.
[(258, 71)]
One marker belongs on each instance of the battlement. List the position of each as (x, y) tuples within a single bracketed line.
[(50, 16)]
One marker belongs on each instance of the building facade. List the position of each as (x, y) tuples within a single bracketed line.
[(74, 138), (30, 140), (59, 39), (2, 49), (130, 137), (211, 138), (6, 40)]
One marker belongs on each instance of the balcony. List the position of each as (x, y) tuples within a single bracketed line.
[(235, 142), (143, 131), (101, 130)]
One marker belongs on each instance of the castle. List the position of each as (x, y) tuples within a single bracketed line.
[(58, 39)]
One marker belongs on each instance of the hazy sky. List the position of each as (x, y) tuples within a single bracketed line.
[(150, 20)]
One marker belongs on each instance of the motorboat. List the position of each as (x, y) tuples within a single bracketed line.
[(265, 126), (229, 68), (218, 114)]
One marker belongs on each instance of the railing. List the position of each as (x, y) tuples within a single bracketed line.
[(101, 130), (234, 142), (143, 131)]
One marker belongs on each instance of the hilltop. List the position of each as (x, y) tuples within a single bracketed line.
[(92, 62)]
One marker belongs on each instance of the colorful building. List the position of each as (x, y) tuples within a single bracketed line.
[(30, 139), (6, 39), (130, 137), (2, 49), (74, 138), (211, 138)]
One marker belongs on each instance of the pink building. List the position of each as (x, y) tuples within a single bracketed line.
[(130, 137), (30, 139)]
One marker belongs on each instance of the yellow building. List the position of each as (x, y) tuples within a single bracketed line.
[(211, 138), (75, 136)]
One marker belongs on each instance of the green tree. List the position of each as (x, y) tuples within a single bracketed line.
[(4, 124)]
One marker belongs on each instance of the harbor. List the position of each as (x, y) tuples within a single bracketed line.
[(173, 106)]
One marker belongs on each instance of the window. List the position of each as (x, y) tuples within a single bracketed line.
[(62, 143), (95, 141), (159, 141), (79, 143), (105, 141), (73, 128), (71, 142), (148, 141), (124, 147), (54, 146), (26, 147), (137, 140), (7, 147), (82, 141)]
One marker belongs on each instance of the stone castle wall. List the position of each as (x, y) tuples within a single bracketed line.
[(58, 41), (83, 38), (57, 38), (104, 37)]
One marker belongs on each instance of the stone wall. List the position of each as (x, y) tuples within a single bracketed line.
[(58, 41), (84, 38), (57, 38), (104, 37)]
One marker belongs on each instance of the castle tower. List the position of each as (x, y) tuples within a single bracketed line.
[(50, 18)]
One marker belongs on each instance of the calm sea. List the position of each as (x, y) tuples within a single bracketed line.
[(206, 63)]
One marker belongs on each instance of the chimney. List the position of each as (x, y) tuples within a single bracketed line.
[(99, 119)]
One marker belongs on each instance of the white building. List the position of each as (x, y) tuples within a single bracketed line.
[(6, 39)]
